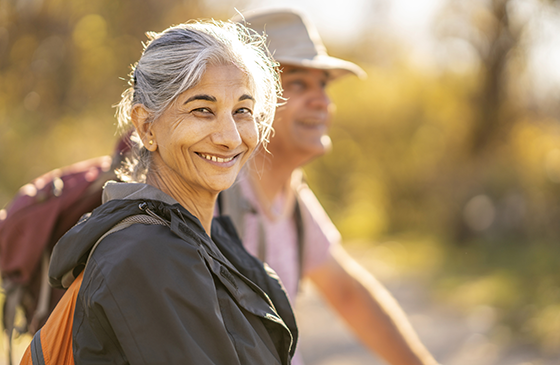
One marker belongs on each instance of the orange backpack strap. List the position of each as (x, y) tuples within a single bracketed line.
[(57, 331)]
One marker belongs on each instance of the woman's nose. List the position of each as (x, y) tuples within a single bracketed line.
[(226, 133)]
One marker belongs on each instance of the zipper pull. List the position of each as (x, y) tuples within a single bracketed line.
[(144, 207)]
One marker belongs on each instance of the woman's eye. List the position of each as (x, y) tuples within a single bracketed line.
[(244, 111), (201, 111)]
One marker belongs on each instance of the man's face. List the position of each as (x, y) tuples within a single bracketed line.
[(301, 124)]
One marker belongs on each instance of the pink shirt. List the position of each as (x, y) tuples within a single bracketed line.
[(281, 251)]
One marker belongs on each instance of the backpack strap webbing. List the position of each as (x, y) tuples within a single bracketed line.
[(71, 275)]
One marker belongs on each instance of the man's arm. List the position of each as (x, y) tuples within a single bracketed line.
[(370, 310)]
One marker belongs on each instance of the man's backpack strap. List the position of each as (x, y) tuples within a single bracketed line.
[(232, 202), (52, 344), (300, 236)]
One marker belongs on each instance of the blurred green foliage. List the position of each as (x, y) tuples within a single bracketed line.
[(456, 165)]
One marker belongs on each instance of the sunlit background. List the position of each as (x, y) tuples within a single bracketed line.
[(447, 155)]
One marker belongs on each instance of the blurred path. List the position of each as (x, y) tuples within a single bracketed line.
[(453, 338)]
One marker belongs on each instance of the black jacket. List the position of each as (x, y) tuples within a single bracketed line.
[(156, 294)]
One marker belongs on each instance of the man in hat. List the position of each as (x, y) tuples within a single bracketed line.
[(278, 217)]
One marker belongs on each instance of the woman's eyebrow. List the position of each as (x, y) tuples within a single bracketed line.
[(212, 98), (200, 97), (246, 97)]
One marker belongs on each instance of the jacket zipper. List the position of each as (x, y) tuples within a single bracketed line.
[(144, 207)]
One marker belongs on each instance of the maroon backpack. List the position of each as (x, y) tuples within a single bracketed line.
[(32, 223)]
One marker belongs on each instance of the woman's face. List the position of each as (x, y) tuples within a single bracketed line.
[(204, 138)]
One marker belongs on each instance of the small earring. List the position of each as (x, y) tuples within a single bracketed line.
[(151, 142)]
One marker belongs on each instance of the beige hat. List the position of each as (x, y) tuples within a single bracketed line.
[(293, 40)]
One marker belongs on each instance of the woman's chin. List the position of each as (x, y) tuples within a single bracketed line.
[(222, 185)]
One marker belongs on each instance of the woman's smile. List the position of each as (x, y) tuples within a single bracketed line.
[(221, 161)]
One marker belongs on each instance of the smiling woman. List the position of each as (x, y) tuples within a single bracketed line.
[(201, 141), (156, 84), (164, 282)]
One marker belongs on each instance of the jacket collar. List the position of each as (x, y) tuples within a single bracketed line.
[(133, 191)]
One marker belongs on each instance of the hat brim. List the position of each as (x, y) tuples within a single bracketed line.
[(336, 67)]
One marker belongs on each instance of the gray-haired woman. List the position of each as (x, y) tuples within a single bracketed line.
[(171, 285)]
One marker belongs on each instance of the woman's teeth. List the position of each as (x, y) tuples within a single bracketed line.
[(216, 159)]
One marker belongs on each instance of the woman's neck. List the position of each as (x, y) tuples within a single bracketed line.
[(201, 205)]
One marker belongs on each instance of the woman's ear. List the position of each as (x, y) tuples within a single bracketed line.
[(140, 117)]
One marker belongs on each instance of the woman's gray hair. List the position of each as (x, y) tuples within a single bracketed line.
[(175, 60)]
